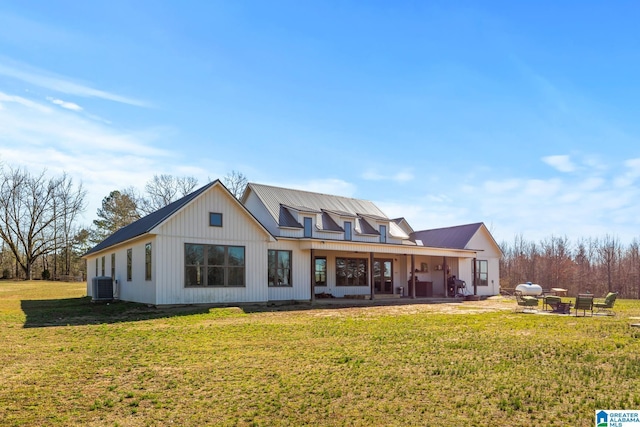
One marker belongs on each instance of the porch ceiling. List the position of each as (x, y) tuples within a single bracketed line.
[(384, 248)]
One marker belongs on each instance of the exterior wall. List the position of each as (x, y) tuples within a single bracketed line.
[(191, 225), (490, 252), (300, 274), (138, 289), (255, 206)]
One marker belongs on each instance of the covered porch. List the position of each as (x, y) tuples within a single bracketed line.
[(351, 270)]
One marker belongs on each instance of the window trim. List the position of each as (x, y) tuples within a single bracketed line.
[(480, 273), (358, 261), (147, 261), (289, 275), (205, 267), (308, 226), (383, 234), (348, 230), (316, 271), (129, 264), (216, 223)]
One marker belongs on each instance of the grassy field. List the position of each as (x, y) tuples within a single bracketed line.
[(65, 361)]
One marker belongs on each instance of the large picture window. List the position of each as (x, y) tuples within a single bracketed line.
[(279, 268), (147, 261), (351, 272), (321, 271), (482, 272), (214, 265)]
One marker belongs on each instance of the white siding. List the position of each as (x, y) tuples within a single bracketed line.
[(490, 252), (300, 274), (138, 289), (191, 225), (255, 206)]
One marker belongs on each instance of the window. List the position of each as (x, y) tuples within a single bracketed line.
[(321, 271), (96, 266), (147, 261), (102, 264), (214, 265), (383, 234), (113, 266), (347, 230), (482, 273), (351, 272), (307, 226), (215, 219), (279, 268), (129, 263)]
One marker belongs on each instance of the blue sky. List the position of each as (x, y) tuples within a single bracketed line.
[(522, 115)]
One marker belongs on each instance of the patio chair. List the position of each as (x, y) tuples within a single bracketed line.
[(607, 305), (584, 302), (526, 301)]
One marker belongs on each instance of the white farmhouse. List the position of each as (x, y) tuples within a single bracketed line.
[(279, 244)]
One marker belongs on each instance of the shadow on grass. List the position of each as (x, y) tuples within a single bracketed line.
[(81, 311)]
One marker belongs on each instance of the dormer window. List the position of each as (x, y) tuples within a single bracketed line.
[(307, 226), (383, 234), (347, 230), (215, 219)]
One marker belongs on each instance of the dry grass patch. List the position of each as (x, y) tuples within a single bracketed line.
[(67, 362)]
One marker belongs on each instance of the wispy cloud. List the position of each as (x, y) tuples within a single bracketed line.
[(36, 136), (45, 79), (64, 104), (399, 176), (562, 163)]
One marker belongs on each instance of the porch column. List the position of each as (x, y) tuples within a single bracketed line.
[(475, 274), (373, 291), (313, 277), (413, 276), (446, 281)]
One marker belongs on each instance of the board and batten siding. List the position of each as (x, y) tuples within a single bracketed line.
[(300, 273), (191, 225), (490, 252), (136, 290)]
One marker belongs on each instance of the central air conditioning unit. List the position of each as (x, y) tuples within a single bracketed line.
[(102, 288)]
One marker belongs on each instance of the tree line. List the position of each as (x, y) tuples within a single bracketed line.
[(596, 265), (40, 231)]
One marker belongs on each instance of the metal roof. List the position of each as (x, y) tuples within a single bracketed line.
[(456, 237), (273, 197)]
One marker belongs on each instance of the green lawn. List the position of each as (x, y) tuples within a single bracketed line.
[(65, 361)]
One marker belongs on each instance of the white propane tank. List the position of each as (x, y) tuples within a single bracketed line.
[(529, 289)]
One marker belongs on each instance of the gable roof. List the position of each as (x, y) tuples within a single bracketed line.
[(147, 223), (456, 237)]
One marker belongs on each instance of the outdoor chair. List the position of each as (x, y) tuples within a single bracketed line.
[(584, 302), (525, 301), (607, 305)]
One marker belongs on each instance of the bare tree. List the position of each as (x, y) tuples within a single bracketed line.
[(163, 190), (28, 214), (236, 183), (608, 255)]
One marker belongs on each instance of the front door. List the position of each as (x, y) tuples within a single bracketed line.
[(383, 276)]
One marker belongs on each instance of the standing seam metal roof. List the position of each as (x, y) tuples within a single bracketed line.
[(273, 197)]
